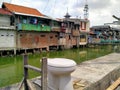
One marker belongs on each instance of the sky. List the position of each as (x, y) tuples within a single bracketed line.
[(100, 11)]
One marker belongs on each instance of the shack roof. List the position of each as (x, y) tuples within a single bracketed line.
[(17, 9), (5, 12), (101, 27)]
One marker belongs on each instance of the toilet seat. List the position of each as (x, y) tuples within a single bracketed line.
[(61, 62), (59, 70)]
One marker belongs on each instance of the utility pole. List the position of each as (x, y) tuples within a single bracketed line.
[(86, 13)]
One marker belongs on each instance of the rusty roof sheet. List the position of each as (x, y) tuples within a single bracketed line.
[(5, 12), (22, 9)]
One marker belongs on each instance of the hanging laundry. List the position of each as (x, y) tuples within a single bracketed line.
[(33, 21)]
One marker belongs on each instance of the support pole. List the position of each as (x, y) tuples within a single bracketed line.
[(25, 59), (44, 74)]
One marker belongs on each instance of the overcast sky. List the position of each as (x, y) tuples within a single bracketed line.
[(100, 11)]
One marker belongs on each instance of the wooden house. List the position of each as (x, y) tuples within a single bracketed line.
[(34, 30), (84, 30), (66, 39), (54, 34), (105, 34), (75, 31), (25, 28), (7, 31)]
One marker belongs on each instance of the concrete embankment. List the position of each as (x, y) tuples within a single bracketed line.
[(97, 74)]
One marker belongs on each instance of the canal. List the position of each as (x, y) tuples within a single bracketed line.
[(11, 67)]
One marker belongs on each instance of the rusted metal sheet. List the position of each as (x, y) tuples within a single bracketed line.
[(74, 40), (57, 29), (76, 33), (31, 40), (53, 39)]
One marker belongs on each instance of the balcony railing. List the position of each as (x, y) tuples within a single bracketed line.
[(7, 27), (32, 27), (22, 26), (57, 29), (68, 30), (75, 33), (45, 28)]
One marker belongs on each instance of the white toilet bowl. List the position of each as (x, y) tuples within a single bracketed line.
[(59, 70)]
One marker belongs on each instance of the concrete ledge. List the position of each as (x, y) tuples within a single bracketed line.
[(98, 73)]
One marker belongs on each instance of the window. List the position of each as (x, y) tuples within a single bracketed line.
[(42, 35), (24, 19), (51, 37), (12, 20), (82, 36), (69, 37), (56, 35), (20, 35), (33, 21)]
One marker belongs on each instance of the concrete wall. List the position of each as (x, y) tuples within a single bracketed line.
[(106, 81)]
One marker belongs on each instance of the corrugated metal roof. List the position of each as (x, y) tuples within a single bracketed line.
[(22, 9), (101, 27), (5, 12)]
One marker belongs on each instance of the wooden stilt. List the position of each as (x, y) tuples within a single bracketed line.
[(1, 54), (14, 51)]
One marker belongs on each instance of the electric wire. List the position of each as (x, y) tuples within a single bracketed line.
[(46, 6), (53, 8)]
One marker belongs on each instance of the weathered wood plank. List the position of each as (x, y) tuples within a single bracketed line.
[(38, 82), (44, 74), (20, 86), (114, 85), (25, 60), (31, 85), (33, 68)]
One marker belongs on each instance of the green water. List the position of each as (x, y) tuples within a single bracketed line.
[(11, 68)]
